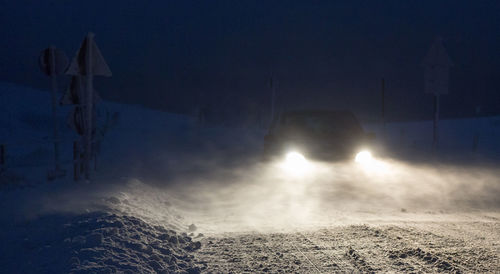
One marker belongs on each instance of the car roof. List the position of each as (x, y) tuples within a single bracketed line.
[(344, 117), (318, 111), (314, 112)]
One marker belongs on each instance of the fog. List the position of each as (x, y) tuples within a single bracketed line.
[(265, 196)]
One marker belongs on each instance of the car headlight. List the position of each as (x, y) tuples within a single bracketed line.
[(296, 164), (364, 157)]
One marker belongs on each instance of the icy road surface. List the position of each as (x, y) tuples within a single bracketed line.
[(468, 244)]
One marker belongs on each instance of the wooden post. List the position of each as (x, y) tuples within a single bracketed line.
[(76, 161)]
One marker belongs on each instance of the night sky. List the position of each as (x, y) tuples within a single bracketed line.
[(173, 55)]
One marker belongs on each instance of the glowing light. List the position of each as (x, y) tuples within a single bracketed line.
[(372, 165), (364, 157), (296, 164)]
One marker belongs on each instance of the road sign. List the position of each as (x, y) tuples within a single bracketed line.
[(437, 65), (60, 61), (76, 120), (81, 64), (75, 94), (88, 62)]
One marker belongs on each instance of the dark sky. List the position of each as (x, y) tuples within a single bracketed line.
[(328, 54)]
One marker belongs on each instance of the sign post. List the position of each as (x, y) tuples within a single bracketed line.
[(88, 62), (437, 66), (52, 62)]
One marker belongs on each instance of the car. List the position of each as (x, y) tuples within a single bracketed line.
[(324, 135)]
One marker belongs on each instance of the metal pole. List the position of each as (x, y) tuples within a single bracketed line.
[(88, 129), (53, 79), (435, 140)]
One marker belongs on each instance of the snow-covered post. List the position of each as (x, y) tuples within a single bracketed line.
[(88, 62)]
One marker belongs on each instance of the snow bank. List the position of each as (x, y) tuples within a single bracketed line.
[(113, 224), (94, 242)]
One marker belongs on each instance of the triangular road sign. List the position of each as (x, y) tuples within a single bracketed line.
[(75, 92), (437, 55), (79, 64)]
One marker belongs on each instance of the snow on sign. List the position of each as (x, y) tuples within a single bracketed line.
[(75, 93), (437, 65), (81, 61)]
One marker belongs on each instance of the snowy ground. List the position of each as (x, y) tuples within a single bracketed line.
[(460, 243), (169, 196)]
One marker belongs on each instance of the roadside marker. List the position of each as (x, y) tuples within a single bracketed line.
[(88, 62), (437, 66)]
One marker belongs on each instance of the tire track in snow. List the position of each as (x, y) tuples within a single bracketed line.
[(396, 248), (328, 259), (342, 255), (314, 266), (443, 253)]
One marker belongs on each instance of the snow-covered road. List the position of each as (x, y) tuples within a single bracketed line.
[(471, 243)]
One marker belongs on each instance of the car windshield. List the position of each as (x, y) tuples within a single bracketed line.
[(323, 123)]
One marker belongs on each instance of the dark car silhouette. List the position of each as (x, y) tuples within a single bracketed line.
[(317, 134)]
